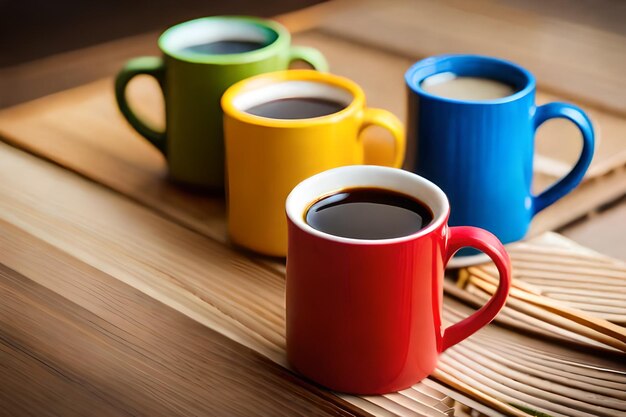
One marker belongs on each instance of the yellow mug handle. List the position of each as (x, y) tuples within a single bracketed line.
[(387, 120)]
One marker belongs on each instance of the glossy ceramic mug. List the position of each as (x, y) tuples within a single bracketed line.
[(364, 316), (481, 152), (267, 157), (193, 83)]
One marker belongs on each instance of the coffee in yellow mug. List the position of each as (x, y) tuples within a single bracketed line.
[(281, 128)]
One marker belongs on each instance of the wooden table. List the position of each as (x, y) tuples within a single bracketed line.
[(120, 292)]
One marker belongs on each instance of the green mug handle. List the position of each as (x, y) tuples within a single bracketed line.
[(311, 56), (146, 65)]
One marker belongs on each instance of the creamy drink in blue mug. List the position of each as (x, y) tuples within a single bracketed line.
[(471, 129)]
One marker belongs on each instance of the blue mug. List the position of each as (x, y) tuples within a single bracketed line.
[(480, 152)]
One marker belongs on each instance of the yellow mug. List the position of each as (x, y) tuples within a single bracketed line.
[(268, 156)]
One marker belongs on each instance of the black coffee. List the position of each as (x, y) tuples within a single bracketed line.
[(296, 108), (224, 47), (369, 213)]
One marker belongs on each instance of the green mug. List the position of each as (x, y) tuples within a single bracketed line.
[(193, 80)]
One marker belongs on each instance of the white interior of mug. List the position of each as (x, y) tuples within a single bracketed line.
[(202, 31), (338, 179), (265, 93)]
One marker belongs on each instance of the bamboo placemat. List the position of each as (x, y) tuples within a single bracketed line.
[(561, 290), (521, 375), (565, 295)]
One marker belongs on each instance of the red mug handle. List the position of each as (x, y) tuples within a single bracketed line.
[(463, 236)]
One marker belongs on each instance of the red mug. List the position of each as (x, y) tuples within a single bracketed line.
[(364, 316)]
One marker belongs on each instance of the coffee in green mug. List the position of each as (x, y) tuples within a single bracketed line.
[(201, 59)]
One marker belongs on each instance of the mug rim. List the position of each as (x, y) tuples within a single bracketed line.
[(428, 67), (296, 214), (283, 37), (357, 103)]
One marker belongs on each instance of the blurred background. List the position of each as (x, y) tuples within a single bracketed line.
[(37, 37), (48, 46)]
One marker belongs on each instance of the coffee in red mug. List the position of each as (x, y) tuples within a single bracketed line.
[(364, 303)]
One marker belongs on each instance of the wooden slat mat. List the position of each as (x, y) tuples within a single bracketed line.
[(561, 290), (511, 371)]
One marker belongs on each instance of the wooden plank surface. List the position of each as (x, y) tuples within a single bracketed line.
[(92, 140), (230, 292), (75, 239), (602, 230), (75, 341)]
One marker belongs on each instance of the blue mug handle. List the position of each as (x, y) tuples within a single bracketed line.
[(575, 176)]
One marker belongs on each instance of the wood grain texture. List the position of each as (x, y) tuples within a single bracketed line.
[(574, 60), (83, 343), (600, 231), (559, 283), (233, 293), (93, 140), (509, 369)]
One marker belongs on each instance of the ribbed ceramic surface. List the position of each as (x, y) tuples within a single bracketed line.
[(480, 152), (480, 156)]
